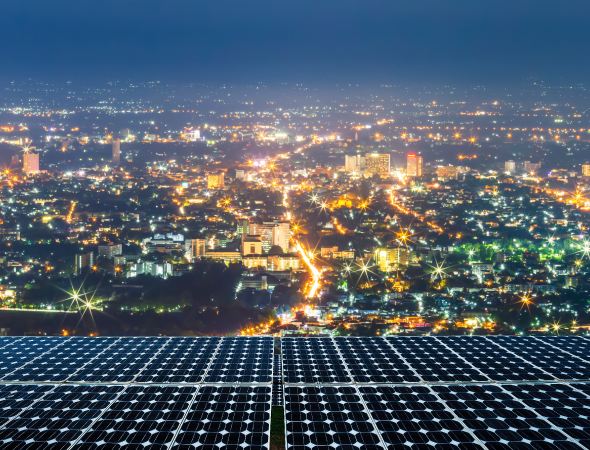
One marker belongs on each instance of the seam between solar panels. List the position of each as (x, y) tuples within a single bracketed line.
[(149, 361), (404, 360), (371, 417), (28, 407), (467, 362), (91, 359), (104, 410), (34, 359), (10, 343), (559, 349), (465, 427), (342, 360), (186, 413), (553, 427), (520, 357)]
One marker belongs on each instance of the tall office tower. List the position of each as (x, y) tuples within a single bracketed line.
[(354, 163), (215, 180), (84, 260), (198, 248), (272, 233), (376, 163), (116, 152), (414, 165), (586, 170), (531, 167), (510, 166), (31, 162)]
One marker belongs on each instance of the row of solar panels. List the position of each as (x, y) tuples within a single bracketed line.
[(493, 416), (461, 359), (249, 360), (137, 360), (134, 416)]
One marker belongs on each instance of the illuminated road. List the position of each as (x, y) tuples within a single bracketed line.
[(306, 255)]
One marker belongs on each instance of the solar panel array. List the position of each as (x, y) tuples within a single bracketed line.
[(498, 392)]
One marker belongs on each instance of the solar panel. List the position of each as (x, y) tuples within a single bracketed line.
[(14, 398), (243, 360), (433, 361), (559, 404), (493, 361), (181, 360), (141, 417), (58, 418), (572, 345), (235, 417), (20, 352), (121, 363), (312, 360), (547, 358), (373, 360), (498, 420), (58, 364), (328, 417), (412, 416)]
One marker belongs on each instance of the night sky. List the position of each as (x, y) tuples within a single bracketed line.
[(388, 41)]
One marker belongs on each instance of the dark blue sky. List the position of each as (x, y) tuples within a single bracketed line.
[(454, 41)]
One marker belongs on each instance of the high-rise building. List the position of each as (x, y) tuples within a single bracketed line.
[(531, 167), (84, 260), (586, 170), (272, 233), (215, 180), (31, 162), (510, 166), (414, 165), (198, 248), (116, 152), (376, 163), (354, 163)]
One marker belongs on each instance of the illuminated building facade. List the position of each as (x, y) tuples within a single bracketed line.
[(116, 152), (215, 180), (413, 165), (31, 162), (377, 163)]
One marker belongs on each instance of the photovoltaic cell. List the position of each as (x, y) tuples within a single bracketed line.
[(413, 417), (228, 417), (59, 418), (328, 417), (573, 345), (312, 360), (141, 417)]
